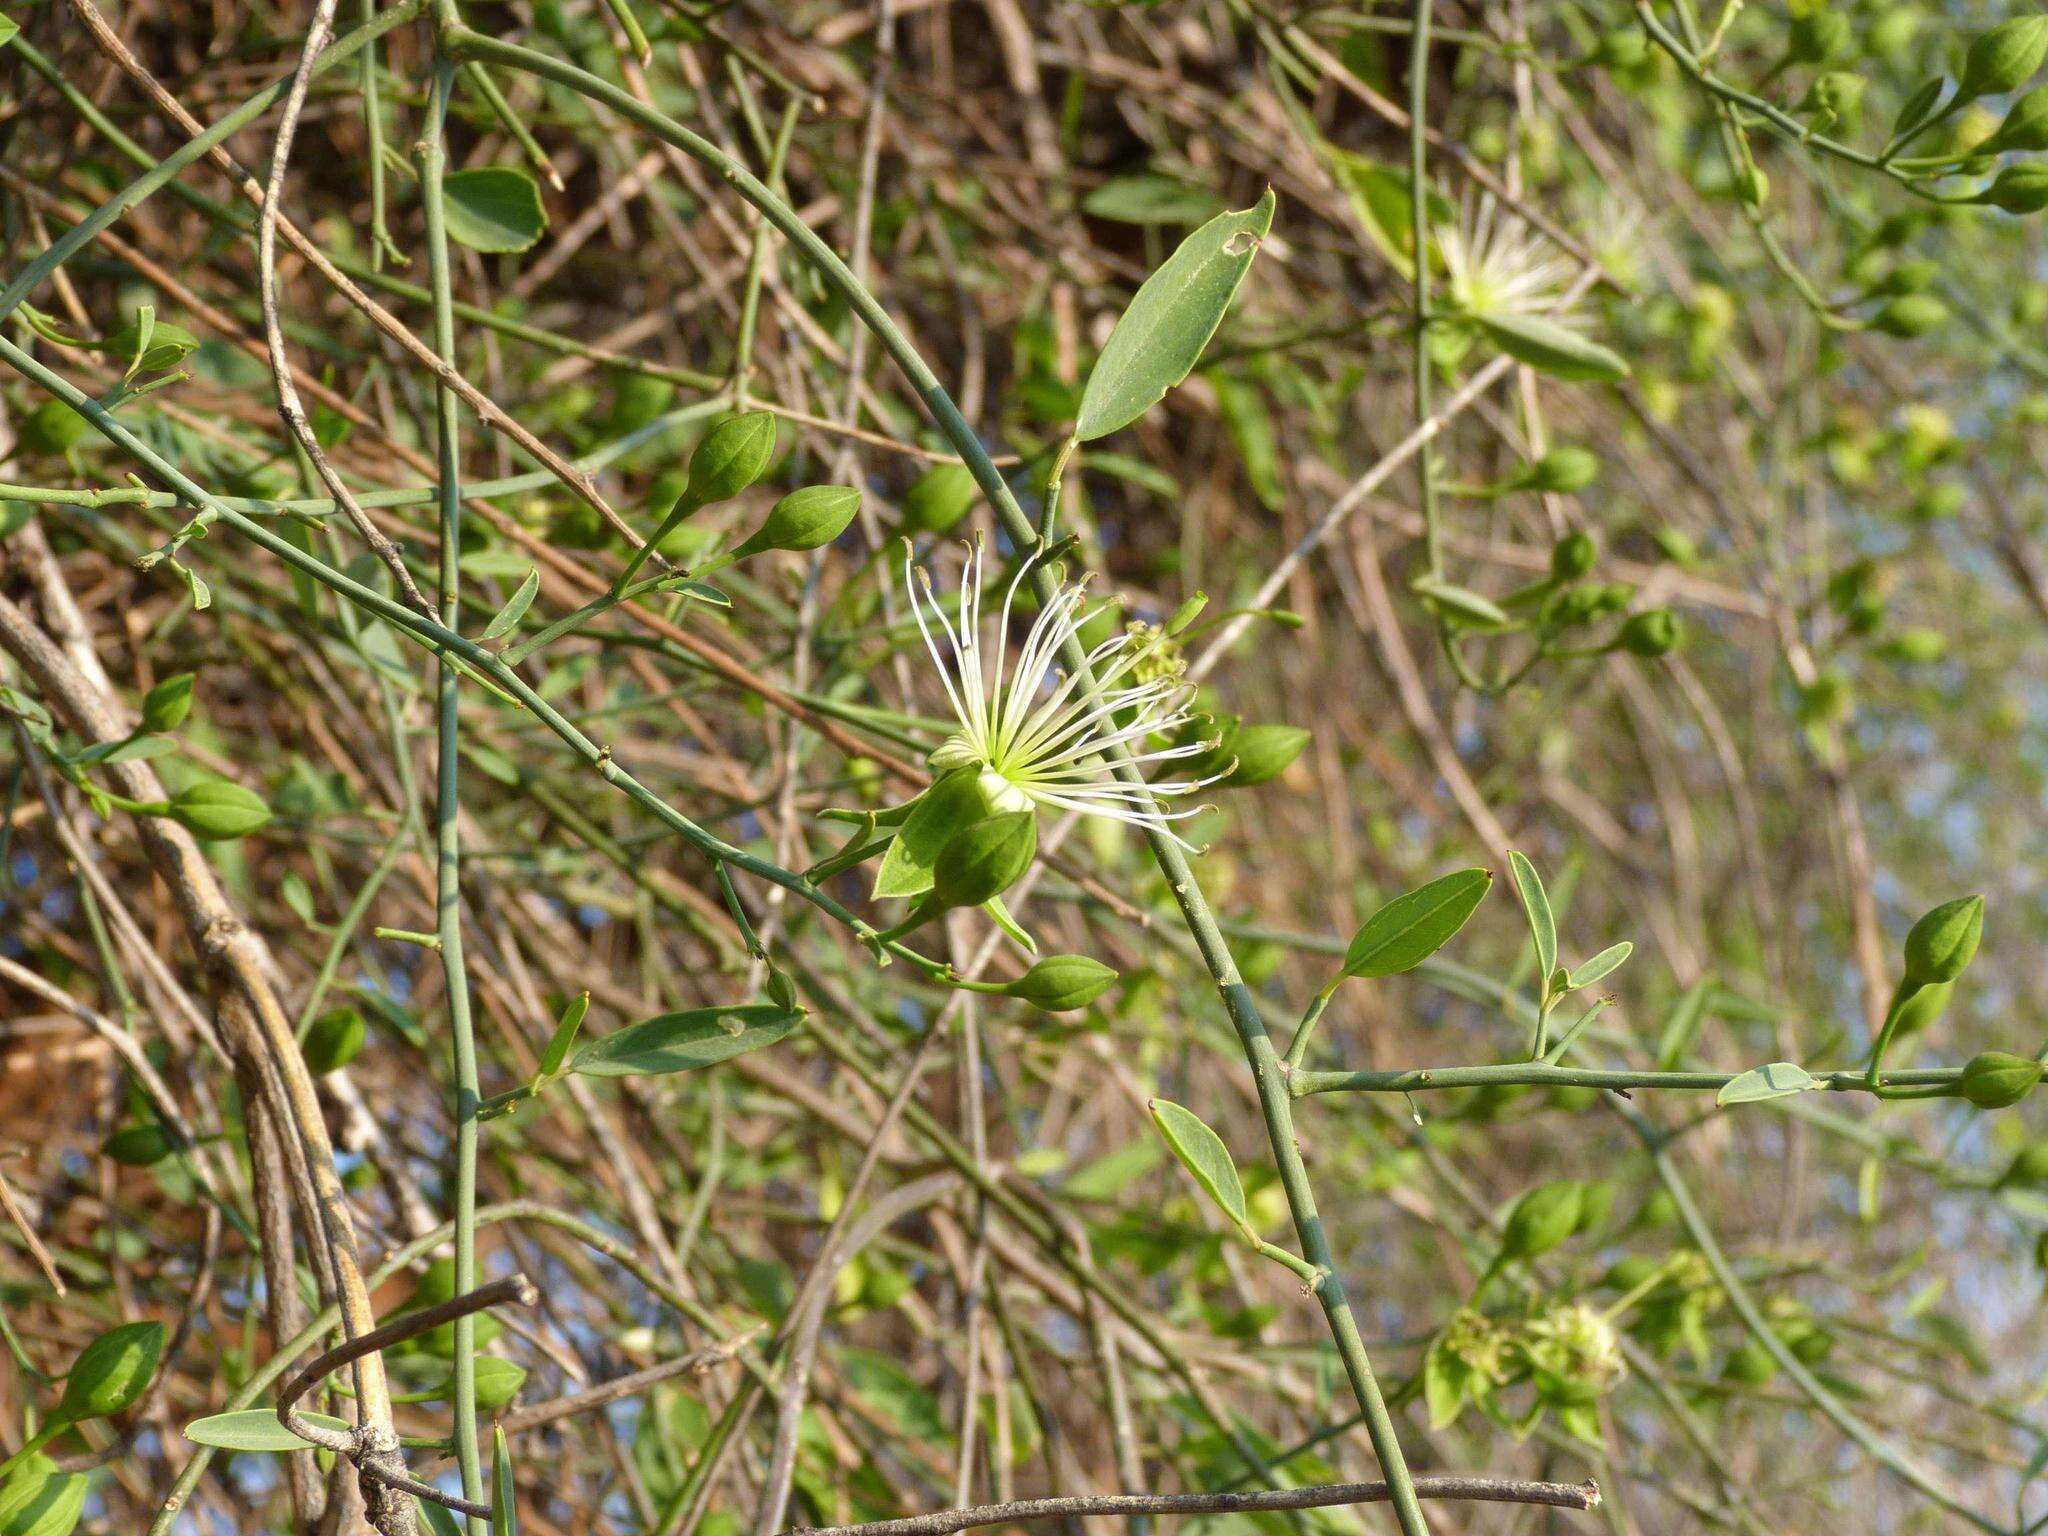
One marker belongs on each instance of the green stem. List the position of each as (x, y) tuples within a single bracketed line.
[(1539, 1074), (430, 157)]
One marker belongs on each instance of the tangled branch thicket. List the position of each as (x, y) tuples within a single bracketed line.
[(935, 765)]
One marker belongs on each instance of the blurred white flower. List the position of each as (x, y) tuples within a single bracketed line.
[(1494, 264), (1036, 736)]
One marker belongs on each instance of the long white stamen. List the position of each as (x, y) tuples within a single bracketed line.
[(1028, 720)]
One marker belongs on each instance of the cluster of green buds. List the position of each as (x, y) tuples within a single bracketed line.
[(1565, 600), (1568, 1354), (729, 459), (1998, 62), (1938, 948)]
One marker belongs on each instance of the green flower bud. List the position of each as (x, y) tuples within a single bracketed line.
[(38, 1500), (334, 1040), (1999, 1079), (2019, 188), (2028, 1168), (1937, 502), (732, 456), (1596, 1204), (637, 398), (1566, 470), (1916, 274), (165, 706), (138, 1146), (1626, 1274), (1541, 1220), (942, 496), (111, 1372), (1910, 315), (1676, 545), (1750, 1366), (2005, 58), (1917, 647), (1753, 186), (1572, 556), (218, 811), (1828, 697), (1063, 983), (2025, 127), (169, 345), (984, 859), (807, 519), (497, 1382), (1654, 632), (1623, 49), (52, 427), (1263, 753), (1921, 1009), (1835, 94), (1942, 942), (1818, 37)]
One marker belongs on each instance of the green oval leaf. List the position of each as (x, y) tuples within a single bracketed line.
[(256, 1429), (682, 1042), (1550, 348), (1608, 960), (1779, 1080), (1409, 929), (1536, 907), (494, 208), (1202, 1153), (1176, 311)]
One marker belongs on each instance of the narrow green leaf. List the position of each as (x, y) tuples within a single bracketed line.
[(564, 1036), (1682, 1025), (507, 618), (256, 1429), (1536, 907), (1381, 200), (1918, 106), (1550, 348), (494, 208), (1202, 1153), (1781, 1079), (950, 804), (1409, 929), (439, 1519), (1460, 603), (1608, 960), (1176, 311), (8, 31), (504, 1492), (1151, 199), (682, 1042)]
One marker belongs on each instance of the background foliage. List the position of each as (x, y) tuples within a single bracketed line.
[(1724, 605)]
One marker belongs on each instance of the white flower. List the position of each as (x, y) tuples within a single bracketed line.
[(1495, 264), (1036, 736)]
